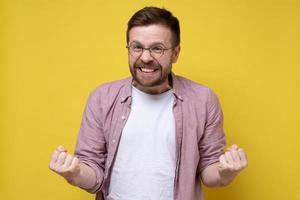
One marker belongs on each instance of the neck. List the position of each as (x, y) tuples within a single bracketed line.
[(155, 89)]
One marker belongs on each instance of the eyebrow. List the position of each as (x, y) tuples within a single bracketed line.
[(151, 45)]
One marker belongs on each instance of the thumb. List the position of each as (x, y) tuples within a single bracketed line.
[(223, 165)]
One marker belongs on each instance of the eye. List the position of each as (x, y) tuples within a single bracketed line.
[(157, 49), (136, 48)]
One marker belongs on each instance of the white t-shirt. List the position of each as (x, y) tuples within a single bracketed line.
[(144, 168)]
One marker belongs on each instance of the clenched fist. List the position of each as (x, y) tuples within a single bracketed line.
[(75, 172), (65, 164), (232, 162)]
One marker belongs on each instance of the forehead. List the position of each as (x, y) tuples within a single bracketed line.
[(151, 34)]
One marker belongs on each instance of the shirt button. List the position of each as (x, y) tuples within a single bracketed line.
[(122, 98), (113, 141), (123, 117)]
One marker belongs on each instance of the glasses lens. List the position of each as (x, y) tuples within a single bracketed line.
[(137, 50), (157, 50)]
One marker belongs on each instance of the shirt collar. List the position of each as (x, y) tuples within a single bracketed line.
[(176, 87)]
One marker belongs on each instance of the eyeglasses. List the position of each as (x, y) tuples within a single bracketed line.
[(137, 50)]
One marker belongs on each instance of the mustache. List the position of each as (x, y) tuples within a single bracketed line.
[(147, 65)]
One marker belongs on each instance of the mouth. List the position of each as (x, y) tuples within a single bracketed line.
[(147, 70)]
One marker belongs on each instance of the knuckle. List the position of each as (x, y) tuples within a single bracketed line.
[(60, 169), (231, 167), (50, 166), (54, 168), (69, 156), (57, 167), (241, 150)]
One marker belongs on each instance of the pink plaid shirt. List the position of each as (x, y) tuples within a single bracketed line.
[(200, 139)]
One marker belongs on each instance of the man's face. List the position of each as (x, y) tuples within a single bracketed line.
[(151, 70)]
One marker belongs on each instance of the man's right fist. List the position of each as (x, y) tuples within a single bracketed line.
[(65, 164)]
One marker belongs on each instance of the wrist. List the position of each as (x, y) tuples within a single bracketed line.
[(226, 177), (74, 176)]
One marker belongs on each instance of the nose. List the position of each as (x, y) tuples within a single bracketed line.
[(146, 56)]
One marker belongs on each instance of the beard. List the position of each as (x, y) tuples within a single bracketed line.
[(159, 76)]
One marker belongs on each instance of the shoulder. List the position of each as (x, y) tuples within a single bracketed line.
[(193, 90), (113, 85), (111, 90)]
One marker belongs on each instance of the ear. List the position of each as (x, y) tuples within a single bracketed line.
[(175, 54)]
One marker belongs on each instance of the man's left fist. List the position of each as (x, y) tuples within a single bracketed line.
[(232, 162)]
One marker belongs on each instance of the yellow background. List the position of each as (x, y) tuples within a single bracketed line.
[(54, 52)]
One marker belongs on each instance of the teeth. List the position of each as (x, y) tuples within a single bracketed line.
[(147, 70)]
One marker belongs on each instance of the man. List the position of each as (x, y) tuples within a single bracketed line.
[(154, 135)]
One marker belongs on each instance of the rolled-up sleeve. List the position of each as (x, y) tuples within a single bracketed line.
[(91, 146), (212, 143)]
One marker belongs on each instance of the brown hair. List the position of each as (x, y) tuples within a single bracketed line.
[(153, 15)]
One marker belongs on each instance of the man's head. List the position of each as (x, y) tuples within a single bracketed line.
[(153, 38), (153, 15)]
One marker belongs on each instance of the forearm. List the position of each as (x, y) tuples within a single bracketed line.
[(86, 178), (211, 176)]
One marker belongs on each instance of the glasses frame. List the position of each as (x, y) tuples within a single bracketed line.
[(150, 51)]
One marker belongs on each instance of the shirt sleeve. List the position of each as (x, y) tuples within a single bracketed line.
[(212, 143), (91, 145)]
